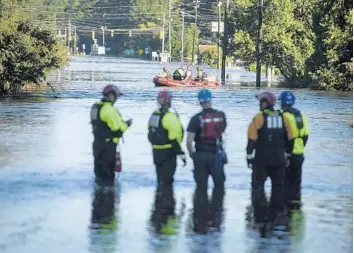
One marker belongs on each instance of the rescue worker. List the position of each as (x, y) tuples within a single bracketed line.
[(266, 156), (299, 129), (200, 74), (164, 73), (205, 129), (188, 75), (165, 135), (179, 74), (108, 127)]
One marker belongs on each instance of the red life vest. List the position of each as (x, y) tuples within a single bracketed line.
[(212, 125)]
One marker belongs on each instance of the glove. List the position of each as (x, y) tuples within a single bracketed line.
[(183, 158), (250, 163), (129, 122)]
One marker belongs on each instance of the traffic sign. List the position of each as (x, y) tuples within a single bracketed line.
[(214, 26)]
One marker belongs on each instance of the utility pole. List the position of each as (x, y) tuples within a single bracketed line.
[(75, 41), (195, 28), (163, 34), (169, 29), (182, 36), (69, 32), (259, 46), (65, 35), (103, 27), (226, 37), (219, 5)]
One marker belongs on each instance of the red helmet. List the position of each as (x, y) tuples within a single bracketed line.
[(267, 96), (112, 89), (164, 97)]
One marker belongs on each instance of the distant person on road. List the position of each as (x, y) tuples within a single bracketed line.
[(179, 74), (165, 135), (206, 130), (108, 127), (299, 129), (266, 156)]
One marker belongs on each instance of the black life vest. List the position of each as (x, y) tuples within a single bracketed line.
[(100, 129), (157, 134), (270, 146), (212, 126), (298, 118)]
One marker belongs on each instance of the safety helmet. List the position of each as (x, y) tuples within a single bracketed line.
[(164, 97), (114, 89), (287, 98), (204, 96), (267, 96)]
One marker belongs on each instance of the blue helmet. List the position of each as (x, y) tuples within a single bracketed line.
[(204, 96), (287, 98)]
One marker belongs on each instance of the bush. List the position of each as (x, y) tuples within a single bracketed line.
[(210, 56), (27, 55)]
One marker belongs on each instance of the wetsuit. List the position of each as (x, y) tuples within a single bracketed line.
[(208, 126), (299, 131), (108, 127), (267, 146), (165, 135)]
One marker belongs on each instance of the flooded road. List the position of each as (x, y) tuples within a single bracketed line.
[(47, 191)]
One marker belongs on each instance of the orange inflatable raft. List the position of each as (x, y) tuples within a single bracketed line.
[(163, 81)]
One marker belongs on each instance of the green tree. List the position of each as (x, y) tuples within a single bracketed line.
[(27, 53), (331, 65), (210, 56), (309, 42)]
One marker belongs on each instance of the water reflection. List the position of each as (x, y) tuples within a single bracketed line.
[(104, 222), (163, 218), (207, 215)]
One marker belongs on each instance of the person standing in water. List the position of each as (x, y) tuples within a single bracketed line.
[(166, 135), (266, 156), (206, 130), (300, 132), (107, 128)]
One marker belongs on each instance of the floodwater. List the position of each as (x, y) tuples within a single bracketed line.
[(48, 201)]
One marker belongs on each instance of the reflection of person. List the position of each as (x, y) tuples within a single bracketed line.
[(208, 214), (104, 223), (163, 218), (103, 207), (107, 127)]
